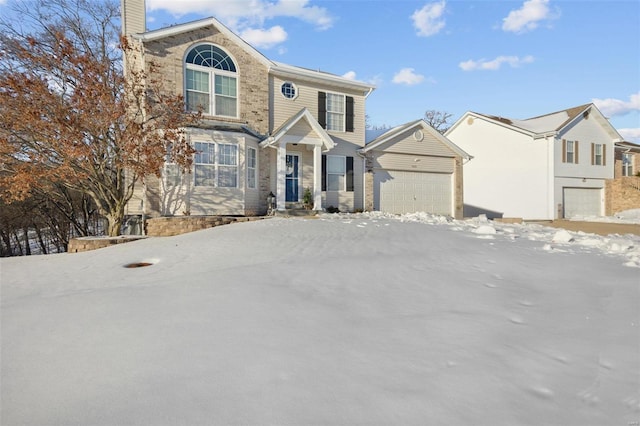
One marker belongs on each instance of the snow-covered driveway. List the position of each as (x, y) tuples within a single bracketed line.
[(343, 320)]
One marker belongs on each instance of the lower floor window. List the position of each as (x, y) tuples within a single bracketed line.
[(627, 165), (215, 164), (252, 162), (337, 173)]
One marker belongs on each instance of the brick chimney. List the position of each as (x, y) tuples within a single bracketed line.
[(133, 16)]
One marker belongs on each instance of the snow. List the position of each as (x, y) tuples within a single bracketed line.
[(628, 216), (342, 320)]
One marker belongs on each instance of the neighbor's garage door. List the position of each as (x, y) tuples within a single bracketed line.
[(408, 192), (582, 202)]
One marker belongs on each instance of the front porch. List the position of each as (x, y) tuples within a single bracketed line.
[(298, 144)]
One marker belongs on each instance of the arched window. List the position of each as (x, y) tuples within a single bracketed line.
[(211, 81)]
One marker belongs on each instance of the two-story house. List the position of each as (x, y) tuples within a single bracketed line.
[(547, 167), (268, 128)]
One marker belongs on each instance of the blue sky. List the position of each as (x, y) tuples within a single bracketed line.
[(516, 59)]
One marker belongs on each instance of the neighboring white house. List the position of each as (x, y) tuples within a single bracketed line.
[(546, 167), (413, 168)]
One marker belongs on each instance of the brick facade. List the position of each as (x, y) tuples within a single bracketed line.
[(253, 81)]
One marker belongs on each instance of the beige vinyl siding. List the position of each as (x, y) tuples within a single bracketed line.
[(302, 129), (134, 17), (391, 161), (283, 108), (429, 145)]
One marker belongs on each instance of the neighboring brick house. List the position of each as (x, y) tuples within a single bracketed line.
[(267, 128), (623, 191), (546, 167)]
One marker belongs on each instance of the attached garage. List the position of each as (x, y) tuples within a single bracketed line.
[(406, 192), (582, 202), (413, 168)]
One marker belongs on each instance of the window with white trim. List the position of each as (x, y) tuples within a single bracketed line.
[(598, 154), (337, 173), (627, 164), (211, 81), (172, 175), (335, 112), (569, 153), (289, 90), (215, 164), (252, 163), (171, 172)]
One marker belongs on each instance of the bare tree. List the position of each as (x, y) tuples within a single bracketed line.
[(439, 120), (68, 115)]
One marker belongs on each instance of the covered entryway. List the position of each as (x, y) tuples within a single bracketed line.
[(408, 192), (303, 134), (582, 202)]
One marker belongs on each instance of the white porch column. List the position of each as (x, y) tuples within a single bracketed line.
[(317, 177), (281, 176)]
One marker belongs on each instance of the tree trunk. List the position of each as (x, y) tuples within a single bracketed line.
[(115, 221), (27, 244)]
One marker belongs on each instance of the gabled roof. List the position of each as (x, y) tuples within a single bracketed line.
[(417, 124), (277, 68), (547, 124), (302, 115)]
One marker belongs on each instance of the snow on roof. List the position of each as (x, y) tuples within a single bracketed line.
[(551, 122)]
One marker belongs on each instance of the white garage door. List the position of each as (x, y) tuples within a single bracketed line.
[(582, 202), (407, 192)]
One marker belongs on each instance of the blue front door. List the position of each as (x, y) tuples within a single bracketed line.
[(292, 177)]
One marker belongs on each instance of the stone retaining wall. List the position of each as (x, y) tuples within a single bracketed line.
[(158, 227), (77, 245), (169, 226)]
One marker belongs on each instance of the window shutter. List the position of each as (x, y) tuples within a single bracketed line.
[(324, 172), (322, 109), (604, 154), (349, 176), (564, 150), (349, 114), (575, 152), (593, 153)]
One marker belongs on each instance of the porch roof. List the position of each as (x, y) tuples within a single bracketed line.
[(281, 133)]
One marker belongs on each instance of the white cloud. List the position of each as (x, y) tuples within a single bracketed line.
[(527, 17), (264, 38), (495, 64), (349, 75), (407, 76), (631, 135), (612, 107), (428, 20), (241, 13)]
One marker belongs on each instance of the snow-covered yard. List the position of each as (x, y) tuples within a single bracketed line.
[(343, 320)]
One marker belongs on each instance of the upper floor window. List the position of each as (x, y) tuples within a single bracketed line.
[(289, 90), (336, 112), (569, 151), (627, 164), (211, 81), (598, 154)]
